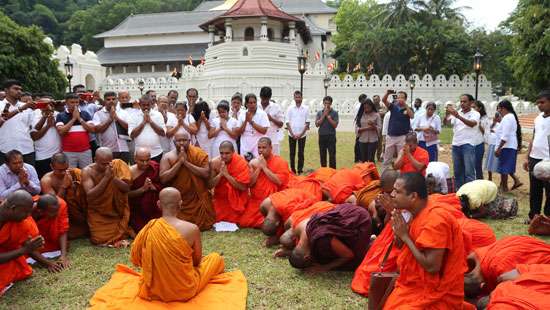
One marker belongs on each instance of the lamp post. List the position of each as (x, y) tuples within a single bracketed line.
[(326, 83), (141, 86), (302, 70), (69, 71), (412, 84), (477, 68)]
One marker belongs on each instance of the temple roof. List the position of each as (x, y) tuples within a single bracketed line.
[(151, 54), (294, 7)]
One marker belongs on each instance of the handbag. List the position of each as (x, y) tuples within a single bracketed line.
[(381, 284), (540, 225)]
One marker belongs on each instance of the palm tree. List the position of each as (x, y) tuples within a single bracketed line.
[(442, 9), (399, 11)]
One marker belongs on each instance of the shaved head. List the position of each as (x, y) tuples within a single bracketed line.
[(103, 153), (387, 179), (59, 158), (169, 199), (143, 152), (298, 259), (226, 145), (46, 200), (265, 140), (19, 205), (270, 225)]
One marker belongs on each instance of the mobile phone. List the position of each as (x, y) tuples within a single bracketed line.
[(42, 105)]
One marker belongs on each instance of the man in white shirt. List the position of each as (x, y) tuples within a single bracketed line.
[(254, 125), (275, 116), (440, 173), (298, 125), (465, 126), (538, 151), (106, 122), (146, 128), (15, 123), (124, 104), (47, 141)]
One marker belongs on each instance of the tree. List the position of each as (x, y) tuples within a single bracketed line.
[(26, 57), (399, 11), (530, 57), (442, 9)]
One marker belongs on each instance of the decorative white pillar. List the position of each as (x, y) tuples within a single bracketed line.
[(228, 30), (168, 68), (153, 68), (292, 32), (211, 32), (138, 69), (263, 29), (124, 69)]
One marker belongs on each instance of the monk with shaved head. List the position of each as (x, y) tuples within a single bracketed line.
[(169, 252), (187, 169), (107, 183), (229, 176), (144, 191)]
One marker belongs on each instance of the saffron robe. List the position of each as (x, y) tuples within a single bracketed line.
[(144, 208), (368, 193), (197, 200), (478, 233), (109, 212), (368, 172), (75, 198), (12, 236), (228, 201), (53, 229), (251, 216), (317, 208), (291, 200), (323, 174), (342, 184)]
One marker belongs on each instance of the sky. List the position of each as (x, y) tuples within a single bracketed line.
[(487, 13)]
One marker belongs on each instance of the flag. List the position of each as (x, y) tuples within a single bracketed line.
[(317, 56), (330, 67), (190, 59), (357, 67), (202, 60)]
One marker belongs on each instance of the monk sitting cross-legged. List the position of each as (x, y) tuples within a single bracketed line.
[(269, 173), (169, 252), (52, 219), (65, 182), (229, 176), (107, 183), (144, 191), (187, 169)]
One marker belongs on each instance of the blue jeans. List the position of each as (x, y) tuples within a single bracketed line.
[(480, 150), (464, 161)]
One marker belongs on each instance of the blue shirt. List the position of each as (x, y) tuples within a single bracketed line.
[(400, 122), (9, 182)]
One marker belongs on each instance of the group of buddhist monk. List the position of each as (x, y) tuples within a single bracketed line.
[(346, 219)]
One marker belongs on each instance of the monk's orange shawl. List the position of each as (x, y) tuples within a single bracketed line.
[(228, 201)]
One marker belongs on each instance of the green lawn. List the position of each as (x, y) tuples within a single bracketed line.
[(272, 283)]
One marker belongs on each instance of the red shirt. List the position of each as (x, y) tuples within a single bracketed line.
[(421, 155)]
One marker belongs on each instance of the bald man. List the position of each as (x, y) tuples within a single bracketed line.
[(107, 183), (229, 176), (412, 158), (169, 252), (144, 191), (187, 169)]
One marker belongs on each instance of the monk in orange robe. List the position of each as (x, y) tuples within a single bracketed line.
[(187, 169), (169, 252), (502, 256), (323, 174), (229, 176), (345, 181), (52, 219), (479, 233), (431, 263), (107, 183), (66, 183), (269, 173), (526, 287)]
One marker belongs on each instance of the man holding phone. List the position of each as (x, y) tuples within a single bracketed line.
[(47, 141), (398, 126)]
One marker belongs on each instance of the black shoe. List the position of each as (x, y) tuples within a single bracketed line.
[(294, 171), (300, 172)]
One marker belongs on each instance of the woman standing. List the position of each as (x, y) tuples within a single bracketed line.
[(508, 144), (201, 114), (491, 161), (224, 128), (480, 138), (428, 128), (367, 127)]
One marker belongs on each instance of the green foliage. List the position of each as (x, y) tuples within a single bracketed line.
[(530, 57), (24, 56)]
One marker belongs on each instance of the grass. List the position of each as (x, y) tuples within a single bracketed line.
[(272, 283)]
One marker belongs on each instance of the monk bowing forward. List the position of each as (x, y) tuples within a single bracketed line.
[(187, 169), (107, 183), (229, 176)]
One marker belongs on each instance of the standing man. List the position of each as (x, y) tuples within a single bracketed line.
[(146, 127), (172, 99), (153, 95), (74, 126), (465, 126), (399, 125), (106, 122), (192, 95), (87, 103), (125, 105), (47, 141), (298, 125), (254, 125), (275, 116), (15, 123), (327, 121), (538, 151)]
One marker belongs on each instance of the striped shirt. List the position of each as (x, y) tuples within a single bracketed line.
[(77, 139)]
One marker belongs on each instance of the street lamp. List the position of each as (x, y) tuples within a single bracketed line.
[(412, 84), (326, 83), (69, 71), (302, 70), (141, 86), (477, 68)]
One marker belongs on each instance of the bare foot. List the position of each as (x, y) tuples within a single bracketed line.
[(281, 253), (271, 241), (516, 185), (121, 244)]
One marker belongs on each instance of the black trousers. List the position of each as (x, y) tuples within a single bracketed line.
[(537, 189), (327, 144), (292, 150), (157, 158), (93, 146), (367, 151), (27, 158), (356, 151), (125, 156), (42, 167)]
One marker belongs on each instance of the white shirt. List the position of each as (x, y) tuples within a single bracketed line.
[(50, 143), (539, 150), (507, 132), (110, 137), (297, 117), (15, 132), (222, 135), (486, 123), (240, 115), (250, 137), (386, 123), (441, 173), (202, 139), (493, 134), (424, 121), (274, 132), (171, 121), (463, 134), (148, 137)]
